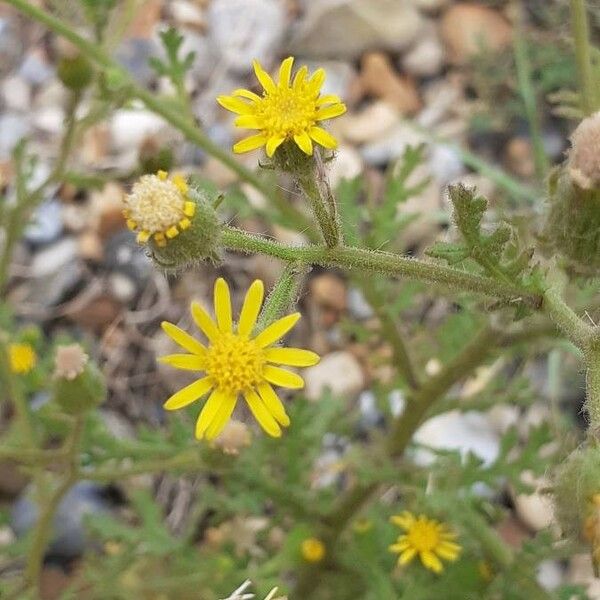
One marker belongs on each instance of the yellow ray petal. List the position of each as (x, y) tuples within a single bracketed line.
[(273, 143), (273, 403), (188, 362), (208, 412), (406, 556), (204, 322), (249, 95), (223, 415), (317, 79), (282, 377), (185, 340), (248, 122), (262, 414), (292, 357), (323, 137), (188, 394), (304, 143), (234, 105), (448, 550), (400, 546), (300, 77), (431, 561), (406, 520), (250, 143), (264, 78), (223, 305), (276, 330), (329, 112), (251, 308), (328, 99), (285, 71)]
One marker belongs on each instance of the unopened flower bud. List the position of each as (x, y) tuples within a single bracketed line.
[(177, 223), (78, 384), (75, 72), (234, 437)]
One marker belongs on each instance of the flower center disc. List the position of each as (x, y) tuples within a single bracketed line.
[(287, 112), (154, 204), (424, 537), (234, 363)]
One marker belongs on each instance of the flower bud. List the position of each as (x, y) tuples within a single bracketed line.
[(78, 384), (577, 498), (75, 72), (178, 224), (572, 227)]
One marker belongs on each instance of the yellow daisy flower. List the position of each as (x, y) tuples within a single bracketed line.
[(313, 550), (428, 538), (159, 207), (22, 358), (236, 363), (284, 111)]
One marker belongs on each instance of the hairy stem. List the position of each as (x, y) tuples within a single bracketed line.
[(350, 258)]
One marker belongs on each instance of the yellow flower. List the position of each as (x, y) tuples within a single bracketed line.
[(313, 550), (236, 363), (22, 358), (159, 208), (428, 538), (284, 111)]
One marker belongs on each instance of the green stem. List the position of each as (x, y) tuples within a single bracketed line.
[(391, 331), (574, 329), (283, 296), (350, 258), (581, 37), (592, 401), (43, 527), (528, 93)]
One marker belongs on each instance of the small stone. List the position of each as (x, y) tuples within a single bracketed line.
[(381, 152), (106, 208), (134, 55), (339, 372), (535, 510), (53, 258), (187, 14), (36, 69), (13, 128), (329, 291), (550, 574), (90, 246), (340, 76), (235, 437), (97, 314), (358, 307), (445, 163), (46, 224), (379, 79), (465, 432), (245, 29), (468, 28), (426, 57), (348, 164), (16, 93), (348, 28), (519, 157), (11, 46), (370, 124), (129, 128), (431, 5), (69, 537), (122, 287)]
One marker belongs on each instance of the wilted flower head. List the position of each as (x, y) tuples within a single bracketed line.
[(428, 538), (235, 436), (284, 111), (584, 157), (69, 361), (22, 358), (159, 208), (235, 363)]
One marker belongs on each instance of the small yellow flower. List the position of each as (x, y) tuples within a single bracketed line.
[(428, 538), (284, 111), (159, 207), (22, 358), (236, 363), (313, 550)]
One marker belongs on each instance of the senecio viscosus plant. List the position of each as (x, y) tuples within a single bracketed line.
[(520, 279)]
